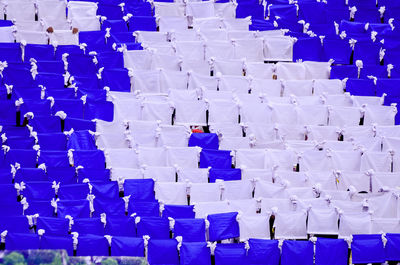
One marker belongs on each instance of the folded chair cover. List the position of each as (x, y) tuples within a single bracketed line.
[(57, 242), (223, 226), (19, 241), (155, 227), (195, 252), (299, 252), (230, 253), (92, 245), (127, 246), (191, 230), (163, 251)]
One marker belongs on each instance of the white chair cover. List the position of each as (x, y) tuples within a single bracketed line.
[(237, 190), (86, 23), (171, 193), (200, 80), (234, 143), (6, 34), (183, 157), (203, 9), (162, 9), (291, 225), (323, 221), (284, 114), (193, 175), (237, 23), (202, 209), (384, 204), (138, 59), (269, 190), (232, 67), (112, 140), (80, 9), (190, 50), (250, 158), (122, 158), (344, 116), (147, 81), (259, 113), (250, 49), (177, 136), (191, 112), (297, 87), (385, 225), (126, 173), (160, 174), (279, 49), (247, 207), (378, 161), (227, 129), (260, 70), (354, 223), (382, 115), (196, 66), (151, 36), (219, 49), (168, 63), (152, 156), (167, 24), (284, 159), (328, 86), (32, 37), (265, 87), (205, 192), (236, 84), (254, 227), (20, 10), (225, 10), (321, 133), (317, 70)]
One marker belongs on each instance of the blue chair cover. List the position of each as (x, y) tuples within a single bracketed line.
[(226, 254), (63, 93), (15, 224), (59, 174), (344, 71), (331, 252), (110, 59), (120, 226), (144, 208), (39, 108), (223, 226), (38, 191), (92, 226), (360, 87), (19, 241), (93, 94), (10, 52), (89, 159), (5, 175), (225, 174), (79, 124), (191, 230), (70, 49), (39, 52), (105, 190), (139, 189), (352, 27), (297, 252), (94, 174), (50, 67), (7, 112), (26, 158), (116, 25), (47, 124), (17, 142), (392, 248), (102, 110), (112, 207), (73, 192), (367, 249), (8, 193), (117, 79), (367, 15), (53, 226), (11, 130), (52, 141), (30, 174), (74, 208), (10, 208), (95, 40), (388, 86), (138, 9), (178, 211), (147, 23), (367, 52), (155, 227), (313, 13), (338, 50), (127, 246), (261, 25), (18, 77), (31, 93), (327, 30), (82, 65), (122, 37), (286, 12), (163, 251), (54, 158), (92, 245), (215, 159), (204, 140), (132, 46), (263, 251), (72, 107), (43, 208), (57, 242), (374, 70), (307, 49), (86, 82), (111, 11), (195, 253), (81, 140), (256, 11), (6, 23)]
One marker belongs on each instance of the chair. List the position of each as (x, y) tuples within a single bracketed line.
[(299, 252), (338, 50), (103, 110), (144, 208), (75, 208), (38, 190), (204, 140), (59, 174), (29, 175), (155, 227), (9, 193), (367, 249), (53, 226), (57, 242), (116, 79), (230, 253), (113, 207), (39, 52), (392, 247), (19, 241), (223, 226), (89, 158), (73, 191), (163, 251), (296, 230), (26, 158), (86, 226), (307, 49), (122, 158), (215, 158), (191, 230), (105, 190), (92, 245), (331, 251), (93, 174), (127, 246), (139, 189), (120, 226), (142, 22), (263, 251), (15, 224), (178, 211), (194, 252), (81, 140)]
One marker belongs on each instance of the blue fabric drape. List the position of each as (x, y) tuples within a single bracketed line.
[(52, 141), (111, 59), (78, 124), (72, 107), (144, 208), (215, 159), (223, 226), (178, 211), (331, 252), (81, 140), (392, 248), (8, 193), (340, 51), (53, 226), (5, 175), (92, 226), (74, 208), (10, 52), (195, 253), (263, 251), (92, 245), (7, 112), (26, 158), (89, 158), (163, 252), (103, 110), (105, 190), (225, 174), (114, 207), (344, 71), (307, 49), (18, 241), (39, 52), (142, 22), (226, 254), (127, 246), (73, 192), (139, 189), (204, 140), (30, 174), (95, 40), (297, 252), (155, 227), (360, 87), (116, 25), (43, 208), (38, 191), (367, 249), (57, 242), (15, 224), (60, 174), (191, 230), (117, 79), (47, 124), (93, 174), (54, 158), (120, 226)]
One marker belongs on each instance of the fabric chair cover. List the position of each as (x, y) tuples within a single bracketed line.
[(223, 226), (321, 221), (75, 208), (254, 227), (38, 191), (167, 24), (278, 49), (354, 223), (285, 227), (142, 22), (26, 158), (228, 67), (139, 189), (187, 157), (102, 110), (215, 158), (85, 226), (178, 211), (230, 253), (307, 49), (57, 242), (176, 136), (194, 252), (299, 252), (169, 9), (263, 251), (155, 227), (144, 208), (92, 245), (152, 156), (108, 190), (111, 207), (162, 174), (392, 246), (124, 158), (157, 111), (204, 140), (205, 192), (191, 230), (89, 159), (15, 224), (120, 226), (341, 116), (53, 226), (19, 241), (163, 251), (30, 174), (367, 249), (251, 49), (127, 246), (381, 162), (171, 193), (224, 174), (331, 251)]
